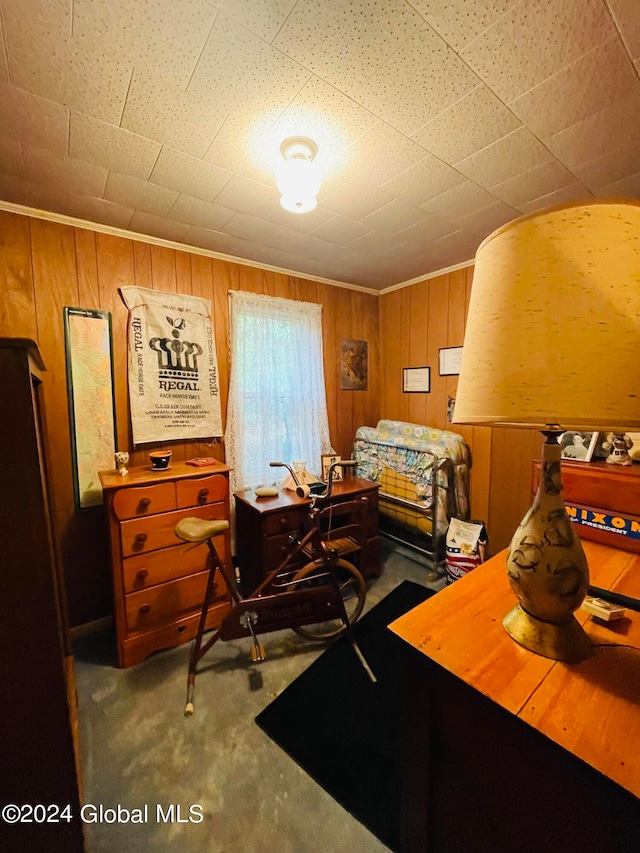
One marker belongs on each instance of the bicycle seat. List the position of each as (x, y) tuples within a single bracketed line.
[(199, 529)]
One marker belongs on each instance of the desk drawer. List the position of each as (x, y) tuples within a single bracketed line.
[(279, 522), (276, 549), (134, 502), (145, 570), (202, 490), (166, 602), (149, 534)]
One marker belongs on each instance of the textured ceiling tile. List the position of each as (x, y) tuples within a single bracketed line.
[(249, 197), (459, 22), (205, 214), (250, 228), (573, 192), (340, 230), (458, 201), (31, 119), (484, 221), (141, 195), (615, 165), (432, 228), (11, 157), (158, 226), (178, 171), (539, 181), (305, 223), (98, 210), (624, 188), (511, 155), (534, 40), (207, 238), (421, 79), (394, 216), (43, 20), (383, 152), (475, 121), (344, 43), (378, 243), (582, 88), (325, 115), (32, 193), (237, 146), (237, 68), (592, 137), (161, 37), (185, 122), (66, 173), (262, 17), (106, 145), (356, 199), (90, 81), (428, 178), (625, 14)]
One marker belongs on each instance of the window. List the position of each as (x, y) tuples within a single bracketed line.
[(277, 403)]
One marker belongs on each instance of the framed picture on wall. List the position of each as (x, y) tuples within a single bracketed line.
[(416, 380), (449, 359), (354, 365)]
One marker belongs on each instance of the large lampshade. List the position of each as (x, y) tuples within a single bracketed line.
[(553, 332), (553, 341)]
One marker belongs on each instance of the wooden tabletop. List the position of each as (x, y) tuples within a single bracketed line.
[(591, 708), (146, 475), (285, 498)]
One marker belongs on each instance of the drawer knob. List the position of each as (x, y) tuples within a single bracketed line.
[(283, 522), (202, 494), (141, 537), (144, 503), (142, 574), (145, 608), (284, 550)]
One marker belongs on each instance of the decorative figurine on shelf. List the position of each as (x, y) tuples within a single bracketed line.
[(122, 458), (618, 444)]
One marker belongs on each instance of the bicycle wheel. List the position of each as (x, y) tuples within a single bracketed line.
[(352, 589)]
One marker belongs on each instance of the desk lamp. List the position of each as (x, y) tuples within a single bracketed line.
[(553, 342)]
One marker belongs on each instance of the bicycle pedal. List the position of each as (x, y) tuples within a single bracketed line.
[(258, 654)]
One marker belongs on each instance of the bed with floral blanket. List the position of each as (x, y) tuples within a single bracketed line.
[(423, 474)]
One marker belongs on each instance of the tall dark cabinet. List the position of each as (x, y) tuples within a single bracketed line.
[(39, 757)]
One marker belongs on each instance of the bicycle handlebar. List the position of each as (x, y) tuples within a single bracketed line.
[(303, 490)]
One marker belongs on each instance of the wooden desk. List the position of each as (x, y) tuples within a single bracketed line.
[(507, 750), (264, 525)]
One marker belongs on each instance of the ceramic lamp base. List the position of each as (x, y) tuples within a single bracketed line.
[(566, 641)]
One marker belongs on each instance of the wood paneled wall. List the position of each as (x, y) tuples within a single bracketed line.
[(415, 322), (45, 266)]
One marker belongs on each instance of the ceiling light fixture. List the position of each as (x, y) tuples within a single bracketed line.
[(297, 176)]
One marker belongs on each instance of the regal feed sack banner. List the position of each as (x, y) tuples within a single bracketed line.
[(173, 367)]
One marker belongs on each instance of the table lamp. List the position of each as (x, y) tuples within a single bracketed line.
[(553, 342)]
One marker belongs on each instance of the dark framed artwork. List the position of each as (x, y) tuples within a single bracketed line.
[(416, 380), (354, 365), (88, 349)]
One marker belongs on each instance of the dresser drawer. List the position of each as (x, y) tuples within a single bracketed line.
[(134, 502), (203, 490), (167, 564), (279, 522), (142, 535), (152, 607)]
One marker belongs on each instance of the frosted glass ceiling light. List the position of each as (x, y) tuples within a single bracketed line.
[(297, 176)]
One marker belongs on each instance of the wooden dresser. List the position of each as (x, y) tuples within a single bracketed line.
[(159, 581), (506, 750), (603, 501), (264, 525)]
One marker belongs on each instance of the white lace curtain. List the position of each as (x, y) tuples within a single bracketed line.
[(277, 407)]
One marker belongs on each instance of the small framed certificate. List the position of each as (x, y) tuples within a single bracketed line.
[(416, 380), (449, 361)]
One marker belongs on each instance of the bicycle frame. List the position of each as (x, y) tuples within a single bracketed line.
[(275, 604)]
